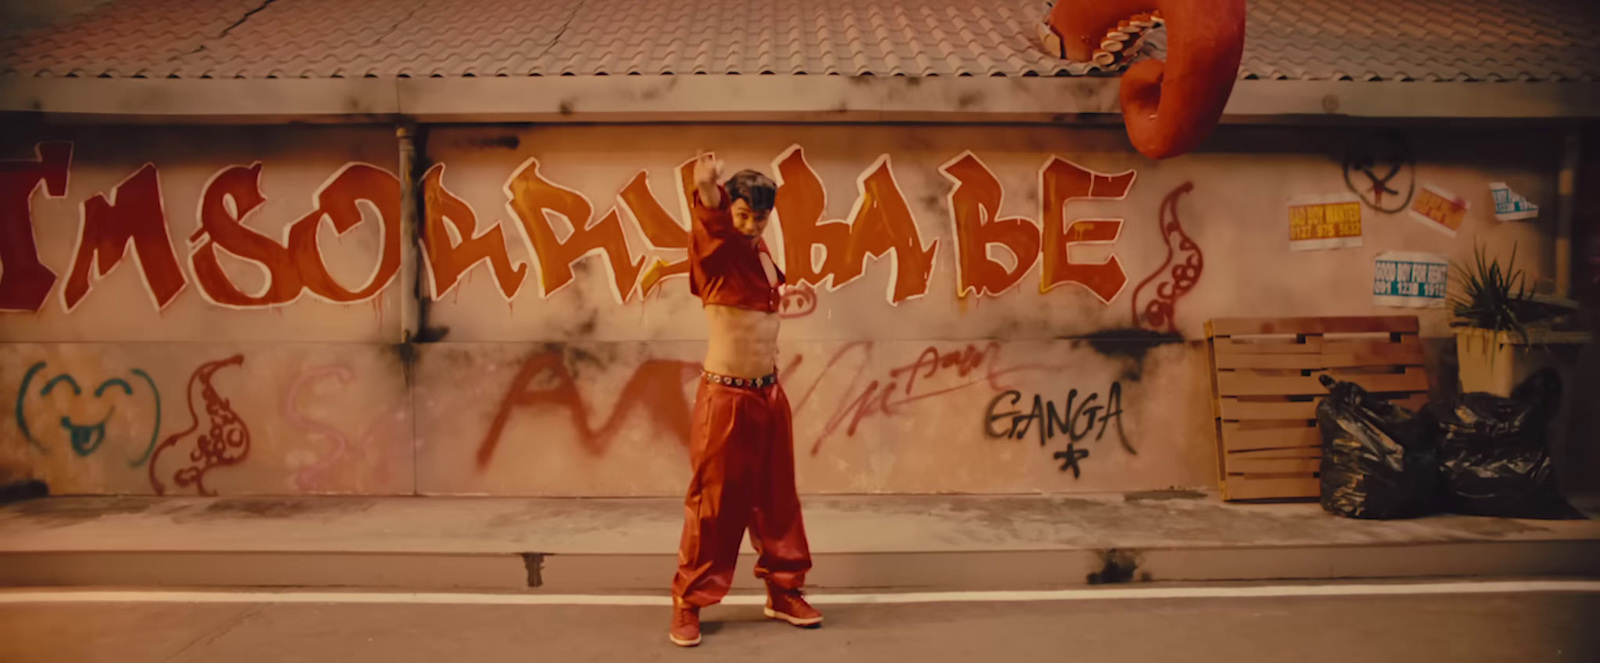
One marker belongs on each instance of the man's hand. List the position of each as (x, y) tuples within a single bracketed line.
[(707, 173)]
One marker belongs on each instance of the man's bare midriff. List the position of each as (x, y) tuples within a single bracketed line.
[(743, 343)]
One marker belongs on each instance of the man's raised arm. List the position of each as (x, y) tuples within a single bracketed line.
[(709, 213)]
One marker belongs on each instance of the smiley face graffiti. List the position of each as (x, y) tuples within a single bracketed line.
[(85, 431)]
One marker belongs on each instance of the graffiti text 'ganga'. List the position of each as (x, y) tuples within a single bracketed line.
[(1076, 419)]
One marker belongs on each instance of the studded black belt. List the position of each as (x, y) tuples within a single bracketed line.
[(750, 383)]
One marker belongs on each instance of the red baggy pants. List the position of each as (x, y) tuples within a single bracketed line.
[(742, 448)]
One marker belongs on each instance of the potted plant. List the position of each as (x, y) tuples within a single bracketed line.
[(1504, 331)]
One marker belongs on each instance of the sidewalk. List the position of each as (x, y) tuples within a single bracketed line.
[(859, 542)]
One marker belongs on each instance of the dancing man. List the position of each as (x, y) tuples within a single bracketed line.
[(742, 444)]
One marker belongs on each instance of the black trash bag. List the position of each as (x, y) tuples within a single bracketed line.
[(1378, 461), (1495, 451)]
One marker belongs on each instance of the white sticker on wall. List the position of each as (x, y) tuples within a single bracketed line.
[(1508, 206)]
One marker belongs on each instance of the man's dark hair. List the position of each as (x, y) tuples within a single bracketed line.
[(756, 190)]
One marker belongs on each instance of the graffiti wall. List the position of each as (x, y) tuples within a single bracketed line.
[(209, 418), (974, 309)]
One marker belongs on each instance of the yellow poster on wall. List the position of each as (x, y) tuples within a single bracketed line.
[(1324, 222)]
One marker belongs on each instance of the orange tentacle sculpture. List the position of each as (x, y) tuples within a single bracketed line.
[(1169, 107)]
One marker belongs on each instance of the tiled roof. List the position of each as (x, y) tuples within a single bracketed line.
[(1465, 40)]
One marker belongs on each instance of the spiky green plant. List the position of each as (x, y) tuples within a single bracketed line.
[(1492, 297)]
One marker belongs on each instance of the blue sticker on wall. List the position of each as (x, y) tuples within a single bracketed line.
[(1410, 280)]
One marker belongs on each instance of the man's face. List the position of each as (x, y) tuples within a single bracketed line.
[(749, 221)]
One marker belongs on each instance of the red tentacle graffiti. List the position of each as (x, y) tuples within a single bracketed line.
[(226, 442), (1155, 310)]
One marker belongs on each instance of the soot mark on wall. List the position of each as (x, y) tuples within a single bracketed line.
[(405, 354), (576, 356), (534, 563), (1118, 566), (508, 142), (18, 491), (1131, 346), (585, 328), (426, 332), (1164, 495)]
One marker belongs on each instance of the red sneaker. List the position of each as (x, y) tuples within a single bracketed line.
[(685, 626), (790, 605)]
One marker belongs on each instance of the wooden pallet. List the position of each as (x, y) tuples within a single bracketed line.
[(1265, 391)]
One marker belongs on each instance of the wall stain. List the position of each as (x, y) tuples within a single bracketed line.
[(586, 328), (1498, 527), (65, 512), (1117, 566), (278, 508), (406, 355), (534, 563), (1163, 495), (1131, 345), (653, 93), (1013, 328), (425, 332), (508, 141), (574, 356), (19, 491)]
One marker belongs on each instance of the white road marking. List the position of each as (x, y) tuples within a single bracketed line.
[(1095, 594)]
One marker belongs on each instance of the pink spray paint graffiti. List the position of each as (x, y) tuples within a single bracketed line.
[(365, 452), (307, 477)]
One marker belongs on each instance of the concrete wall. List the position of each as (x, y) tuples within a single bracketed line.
[(545, 381)]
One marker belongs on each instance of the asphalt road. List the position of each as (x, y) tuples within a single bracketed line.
[(1520, 627)]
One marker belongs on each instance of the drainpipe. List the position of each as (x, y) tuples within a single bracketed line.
[(413, 301), (1571, 149), (411, 295)]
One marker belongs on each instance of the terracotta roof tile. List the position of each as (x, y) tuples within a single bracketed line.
[(1470, 40)]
